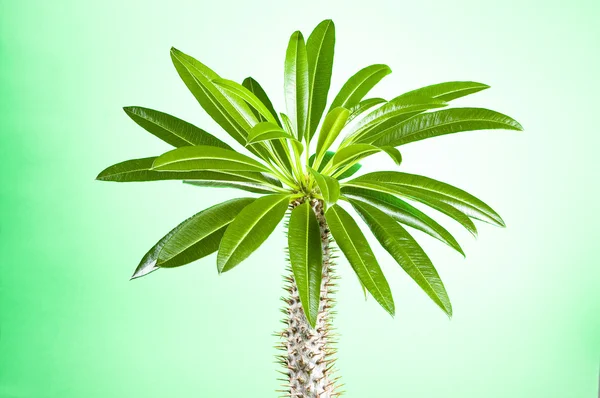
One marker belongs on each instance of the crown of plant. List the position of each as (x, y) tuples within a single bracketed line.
[(292, 158)]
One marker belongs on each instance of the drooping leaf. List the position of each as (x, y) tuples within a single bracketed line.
[(414, 185), (393, 153), (231, 113), (136, 170), (448, 91), (326, 158), (244, 186), (353, 91), (363, 106), (260, 93), (246, 95), (332, 126), (192, 158), (265, 131), (170, 129), (446, 121), (306, 257), (319, 48), (404, 213), (356, 249), (148, 262), (200, 235), (250, 229), (329, 187), (296, 84), (407, 253)]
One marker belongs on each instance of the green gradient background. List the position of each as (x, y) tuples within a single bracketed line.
[(526, 299)]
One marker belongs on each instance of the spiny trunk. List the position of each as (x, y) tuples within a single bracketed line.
[(308, 356)]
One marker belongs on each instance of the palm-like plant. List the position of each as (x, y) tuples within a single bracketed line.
[(309, 183)]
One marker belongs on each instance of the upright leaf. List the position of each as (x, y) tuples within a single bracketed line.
[(407, 253), (246, 95), (260, 93), (443, 122), (404, 213), (332, 126), (355, 247), (192, 158), (231, 113), (448, 91), (329, 187), (296, 83), (306, 257), (170, 129), (319, 48), (250, 229), (200, 235), (359, 85)]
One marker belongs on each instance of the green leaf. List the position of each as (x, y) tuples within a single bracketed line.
[(416, 186), (244, 186), (192, 158), (329, 187), (448, 91), (296, 83), (246, 95), (326, 158), (260, 93), (443, 122), (230, 112), (352, 153), (393, 153), (396, 111), (200, 235), (306, 257), (250, 229), (407, 253), (355, 247), (404, 213), (319, 48), (332, 126), (265, 131), (363, 106), (148, 262), (359, 85), (170, 129), (136, 170)]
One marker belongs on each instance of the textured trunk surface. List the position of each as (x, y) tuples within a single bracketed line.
[(308, 355)]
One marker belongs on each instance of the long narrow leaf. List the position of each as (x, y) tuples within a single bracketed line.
[(327, 158), (250, 229), (319, 48), (296, 83), (205, 158), (260, 93), (356, 249), (415, 185), (443, 122), (306, 257), (363, 106), (200, 235), (170, 129), (407, 253), (404, 213), (359, 84), (448, 91), (332, 126), (246, 95)]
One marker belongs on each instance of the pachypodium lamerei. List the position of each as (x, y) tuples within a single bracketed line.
[(288, 172)]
